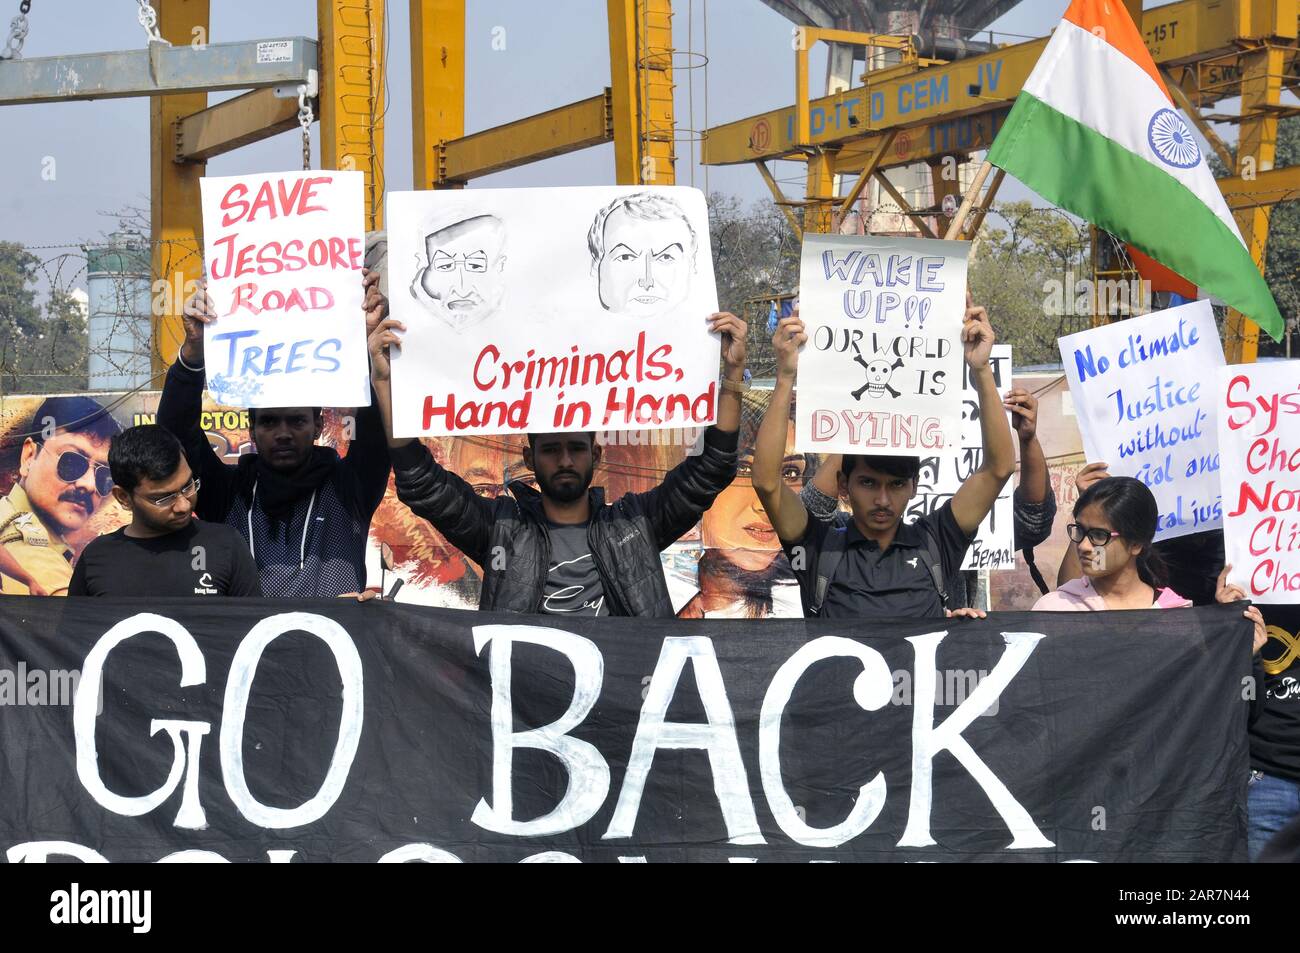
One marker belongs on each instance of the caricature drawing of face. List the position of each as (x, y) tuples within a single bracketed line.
[(643, 249), (463, 282)]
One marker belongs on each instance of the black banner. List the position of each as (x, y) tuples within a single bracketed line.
[(253, 730)]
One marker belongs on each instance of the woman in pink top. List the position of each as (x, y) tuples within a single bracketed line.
[(1115, 522)]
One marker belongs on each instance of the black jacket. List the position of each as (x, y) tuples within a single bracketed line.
[(509, 539), (324, 559)]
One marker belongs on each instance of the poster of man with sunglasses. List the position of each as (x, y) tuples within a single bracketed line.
[(63, 480)]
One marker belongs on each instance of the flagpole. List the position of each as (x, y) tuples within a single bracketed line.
[(958, 220)]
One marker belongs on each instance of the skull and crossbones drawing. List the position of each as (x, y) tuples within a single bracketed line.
[(878, 375)]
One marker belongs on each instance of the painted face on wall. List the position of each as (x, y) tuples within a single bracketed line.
[(737, 526), (645, 270), (463, 282), (66, 479)]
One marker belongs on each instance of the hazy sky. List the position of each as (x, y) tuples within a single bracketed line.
[(101, 149)]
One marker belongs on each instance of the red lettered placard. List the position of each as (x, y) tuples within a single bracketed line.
[(284, 252), (1259, 443)]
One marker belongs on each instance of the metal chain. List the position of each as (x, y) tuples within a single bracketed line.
[(304, 120), (17, 33), (148, 18)]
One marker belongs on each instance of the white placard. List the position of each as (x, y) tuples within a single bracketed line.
[(941, 476), (1142, 393), (284, 252), (552, 310), (882, 369), (1259, 439)]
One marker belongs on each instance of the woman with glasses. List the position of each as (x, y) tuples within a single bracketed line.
[(1114, 525)]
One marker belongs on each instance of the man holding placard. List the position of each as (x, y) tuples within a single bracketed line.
[(561, 549), (876, 565), (303, 511)]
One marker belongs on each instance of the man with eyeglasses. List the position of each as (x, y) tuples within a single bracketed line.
[(63, 480), (164, 551)]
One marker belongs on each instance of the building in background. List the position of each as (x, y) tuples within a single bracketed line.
[(118, 318)]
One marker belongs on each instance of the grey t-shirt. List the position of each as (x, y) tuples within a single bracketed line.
[(573, 585)]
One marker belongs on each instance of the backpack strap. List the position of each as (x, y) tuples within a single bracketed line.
[(828, 560), (934, 565)]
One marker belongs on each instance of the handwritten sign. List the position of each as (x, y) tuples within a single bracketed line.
[(284, 252), (1141, 389), (882, 369), (552, 310), (1259, 437), (941, 476)]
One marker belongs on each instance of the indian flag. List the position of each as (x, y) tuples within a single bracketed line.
[(1095, 132)]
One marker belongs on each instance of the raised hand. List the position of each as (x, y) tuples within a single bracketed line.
[(976, 335), (787, 341), (198, 311), (1090, 475), (385, 335), (1024, 412), (733, 331), (375, 304), (1225, 591)]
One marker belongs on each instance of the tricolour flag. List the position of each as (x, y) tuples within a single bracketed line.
[(1095, 132)]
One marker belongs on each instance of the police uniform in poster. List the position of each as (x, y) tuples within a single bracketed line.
[(32, 548)]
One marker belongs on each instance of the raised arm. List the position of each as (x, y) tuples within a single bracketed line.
[(691, 487), (1034, 503), (181, 406), (367, 457), (784, 508), (973, 500), (430, 491)]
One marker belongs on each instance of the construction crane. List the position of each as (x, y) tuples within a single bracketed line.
[(928, 108), (338, 79)]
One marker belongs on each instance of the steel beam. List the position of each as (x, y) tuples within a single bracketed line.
[(236, 122), (352, 94), (569, 128), (437, 82), (176, 214), (641, 78), (158, 71), (779, 198), (1176, 33), (1265, 188), (1261, 89)]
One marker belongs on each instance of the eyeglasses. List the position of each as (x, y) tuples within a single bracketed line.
[(188, 490), (72, 466), (1098, 537)]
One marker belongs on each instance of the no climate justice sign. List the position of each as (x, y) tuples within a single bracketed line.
[(1259, 437), (284, 252), (1141, 389)]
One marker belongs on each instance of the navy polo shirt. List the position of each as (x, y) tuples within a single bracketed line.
[(870, 583)]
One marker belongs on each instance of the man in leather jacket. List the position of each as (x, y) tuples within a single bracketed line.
[(563, 549)]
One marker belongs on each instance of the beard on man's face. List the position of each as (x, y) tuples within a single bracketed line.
[(565, 486)]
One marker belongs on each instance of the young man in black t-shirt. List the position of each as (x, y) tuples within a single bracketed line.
[(875, 565), (165, 551)]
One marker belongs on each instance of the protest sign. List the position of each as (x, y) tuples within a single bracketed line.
[(284, 252), (881, 372), (552, 310), (942, 476), (209, 729), (1259, 439), (1141, 389)]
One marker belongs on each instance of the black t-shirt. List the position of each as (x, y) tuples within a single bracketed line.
[(1275, 727), (204, 559), (895, 583), (573, 585)]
